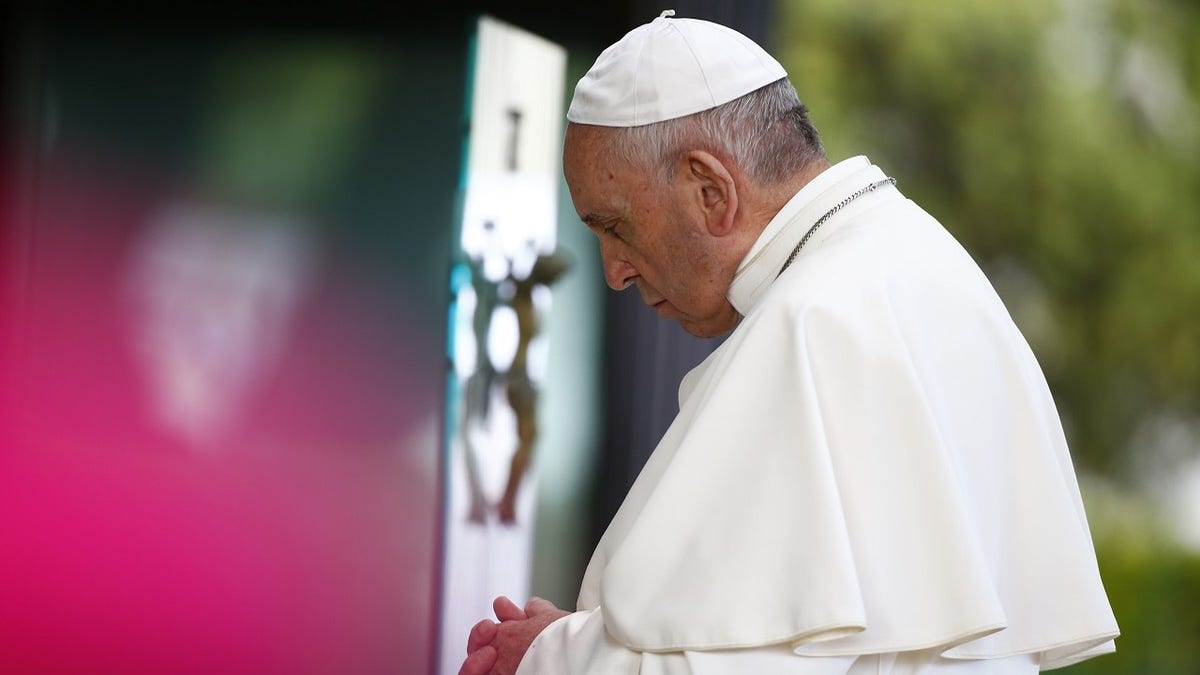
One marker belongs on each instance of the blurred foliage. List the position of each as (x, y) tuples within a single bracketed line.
[(285, 118), (1060, 143), (1153, 586)]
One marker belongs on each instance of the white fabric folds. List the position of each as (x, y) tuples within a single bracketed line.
[(870, 463)]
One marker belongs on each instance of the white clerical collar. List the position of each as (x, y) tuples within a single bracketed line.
[(772, 248)]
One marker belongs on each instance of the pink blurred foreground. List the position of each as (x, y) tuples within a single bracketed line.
[(218, 443)]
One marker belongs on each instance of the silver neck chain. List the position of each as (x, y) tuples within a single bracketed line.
[(821, 221)]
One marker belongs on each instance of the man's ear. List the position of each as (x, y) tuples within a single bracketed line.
[(714, 189)]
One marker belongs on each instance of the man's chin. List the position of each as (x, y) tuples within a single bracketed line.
[(709, 326), (708, 329)]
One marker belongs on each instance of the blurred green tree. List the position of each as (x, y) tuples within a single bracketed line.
[(1060, 143)]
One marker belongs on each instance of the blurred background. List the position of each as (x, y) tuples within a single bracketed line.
[(232, 286), (1060, 143)]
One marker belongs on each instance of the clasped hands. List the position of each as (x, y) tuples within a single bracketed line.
[(497, 648)]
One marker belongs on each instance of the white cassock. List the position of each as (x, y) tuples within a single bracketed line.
[(868, 476)]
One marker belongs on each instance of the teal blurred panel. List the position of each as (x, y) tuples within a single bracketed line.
[(507, 265)]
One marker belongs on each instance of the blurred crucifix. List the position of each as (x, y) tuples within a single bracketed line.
[(522, 391)]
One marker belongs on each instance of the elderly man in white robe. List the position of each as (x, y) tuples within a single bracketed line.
[(869, 474)]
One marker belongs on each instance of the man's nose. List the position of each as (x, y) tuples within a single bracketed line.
[(617, 271)]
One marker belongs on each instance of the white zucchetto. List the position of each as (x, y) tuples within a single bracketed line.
[(670, 68)]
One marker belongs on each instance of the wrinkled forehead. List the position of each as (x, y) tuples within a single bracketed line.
[(587, 146), (587, 162)]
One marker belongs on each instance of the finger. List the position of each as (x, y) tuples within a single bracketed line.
[(507, 611), (538, 605), (481, 634), (480, 662)]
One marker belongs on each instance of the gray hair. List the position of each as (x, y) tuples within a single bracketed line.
[(767, 133)]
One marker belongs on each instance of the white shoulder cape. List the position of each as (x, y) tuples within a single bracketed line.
[(872, 462)]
